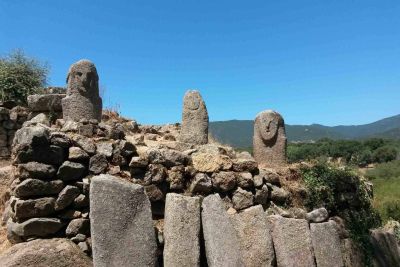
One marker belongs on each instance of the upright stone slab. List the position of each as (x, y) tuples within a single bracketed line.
[(254, 236), (386, 250), (326, 244), (292, 242), (194, 128), (83, 100), (221, 242), (121, 224), (181, 231), (269, 140)]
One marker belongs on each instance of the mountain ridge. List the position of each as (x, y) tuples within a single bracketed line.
[(239, 133)]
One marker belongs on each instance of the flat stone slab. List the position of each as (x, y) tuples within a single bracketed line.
[(45, 102), (121, 224), (181, 231), (255, 240), (221, 243), (326, 244), (292, 242)]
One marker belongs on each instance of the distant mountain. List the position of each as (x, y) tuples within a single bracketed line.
[(239, 133)]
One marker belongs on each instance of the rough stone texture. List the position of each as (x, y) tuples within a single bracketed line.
[(78, 226), (83, 100), (194, 128), (352, 254), (98, 163), (385, 247), (45, 253), (182, 231), (37, 227), (31, 208), (210, 162), (269, 140), (278, 195), (221, 243), (66, 197), (318, 215), (121, 224), (261, 196), (224, 181), (35, 187), (242, 199), (45, 102), (77, 154), (326, 244), (70, 171), (201, 183), (292, 242), (36, 170), (254, 237)]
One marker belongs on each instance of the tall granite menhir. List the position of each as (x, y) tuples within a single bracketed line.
[(194, 119), (83, 100), (269, 140)]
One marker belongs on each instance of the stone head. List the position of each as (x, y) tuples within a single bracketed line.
[(83, 79), (268, 123), (192, 100)]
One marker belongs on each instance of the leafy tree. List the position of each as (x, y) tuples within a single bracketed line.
[(21, 76), (385, 154)]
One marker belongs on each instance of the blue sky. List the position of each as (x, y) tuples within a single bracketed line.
[(328, 62)]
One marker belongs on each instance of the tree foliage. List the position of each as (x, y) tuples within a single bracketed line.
[(21, 76), (357, 152)]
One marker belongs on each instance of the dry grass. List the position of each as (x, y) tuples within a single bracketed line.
[(4, 243)]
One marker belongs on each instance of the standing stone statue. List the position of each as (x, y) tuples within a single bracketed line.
[(83, 100), (269, 140), (194, 119)]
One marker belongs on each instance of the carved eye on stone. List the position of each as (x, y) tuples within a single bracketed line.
[(79, 73)]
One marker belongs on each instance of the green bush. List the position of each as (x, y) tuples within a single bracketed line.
[(21, 76), (388, 170), (385, 154), (393, 210), (343, 194)]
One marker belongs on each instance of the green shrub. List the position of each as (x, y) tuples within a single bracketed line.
[(387, 170), (385, 154), (342, 193), (393, 210), (20, 76)]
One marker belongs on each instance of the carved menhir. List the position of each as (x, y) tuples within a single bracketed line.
[(269, 140), (83, 100), (194, 119)]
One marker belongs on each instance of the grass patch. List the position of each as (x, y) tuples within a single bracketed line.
[(386, 180)]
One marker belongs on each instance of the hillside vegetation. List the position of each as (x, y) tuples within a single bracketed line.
[(239, 133)]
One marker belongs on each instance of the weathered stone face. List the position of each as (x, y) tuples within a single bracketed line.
[(194, 119), (83, 100), (269, 140)]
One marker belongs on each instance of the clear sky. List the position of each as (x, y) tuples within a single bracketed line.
[(328, 62)]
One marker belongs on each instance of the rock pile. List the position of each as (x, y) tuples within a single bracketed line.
[(11, 119)]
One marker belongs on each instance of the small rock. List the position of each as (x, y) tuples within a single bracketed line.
[(77, 154), (224, 181), (35, 187), (39, 227), (156, 173), (81, 201), (201, 184), (36, 170), (78, 226), (279, 195), (98, 163), (176, 178), (242, 199), (209, 162), (105, 148), (154, 193), (70, 171), (262, 195), (138, 162), (31, 208), (66, 197), (245, 180), (78, 238), (318, 215)]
